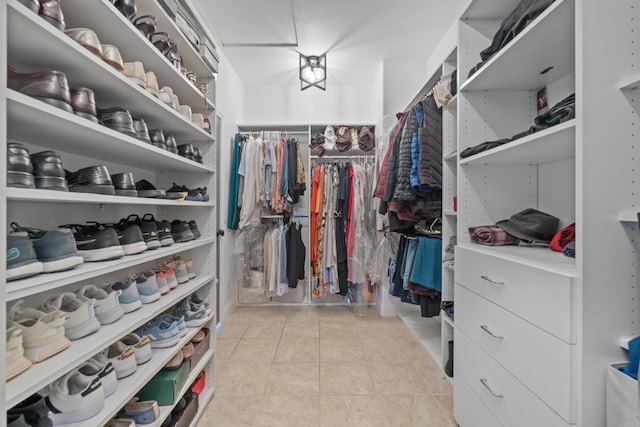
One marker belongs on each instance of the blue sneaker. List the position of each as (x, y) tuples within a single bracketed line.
[(147, 287), (162, 334), (128, 296), (22, 260), (171, 317), (55, 249)]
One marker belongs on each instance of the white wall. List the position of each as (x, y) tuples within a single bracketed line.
[(230, 102), (402, 81), (284, 105)]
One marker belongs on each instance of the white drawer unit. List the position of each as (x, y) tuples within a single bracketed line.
[(542, 297), (506, 397), (468, 409), (542, 362)]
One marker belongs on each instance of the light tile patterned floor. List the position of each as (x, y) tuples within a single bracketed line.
[(324, 366)]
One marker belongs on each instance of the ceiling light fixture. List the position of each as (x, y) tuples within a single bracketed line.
[(313, 72)]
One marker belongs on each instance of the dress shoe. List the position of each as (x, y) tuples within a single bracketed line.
[(51, 11), (48, 171), (147, 189), (170, 143), (186, 150), (19, 166), (135, 71), (197, 155), (111, 55), (126, 7), (34, 5), (87, 38), (83, 102), (46, 85), (118, 119), (142, 131), (124, 184), (152, 84), (92, 179), (146, 24), (158, 138)]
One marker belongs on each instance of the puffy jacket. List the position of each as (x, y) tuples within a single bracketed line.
[(430, 142), (403, 189), (382, 179), (415, 147)]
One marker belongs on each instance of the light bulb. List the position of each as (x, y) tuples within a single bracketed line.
[(310, 75)]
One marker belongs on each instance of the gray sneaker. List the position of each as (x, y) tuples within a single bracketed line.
[(22, 260), (55, 249)]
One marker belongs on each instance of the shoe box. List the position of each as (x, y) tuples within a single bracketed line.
[(165, 386), (200, 349)]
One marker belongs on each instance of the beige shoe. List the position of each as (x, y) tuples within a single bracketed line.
[(121, 422), (185, 110), (111, 55), (87, 38), (152, 84), (188, 350), (16, 362), (175, 362), (136, 407), (135, 71), (198, 119), (166, 95)]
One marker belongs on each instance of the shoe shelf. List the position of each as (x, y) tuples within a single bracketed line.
[(128, 387), (449, 266), (34, 44), (549, 41), (629, 215), (113, 28), (541, 258), (31, 195), (70, 133), (41, 374), (45, 282), (165, 411), (446, 319), (451, 156), (631, 82), (550, 145)]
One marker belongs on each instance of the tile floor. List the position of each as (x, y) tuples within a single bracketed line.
[(324, 366)]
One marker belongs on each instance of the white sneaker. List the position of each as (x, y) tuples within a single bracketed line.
[(106, 373), (161, 280), (79, 314), (128, 295), (180, 269), (75, 397), (147, 287), (121, 356), (141, 347), (107, 306), (16, 363), (42, 333), (196, 302), (191, 271)]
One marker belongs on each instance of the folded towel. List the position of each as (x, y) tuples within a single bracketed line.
[(570, 249), (490, 235)]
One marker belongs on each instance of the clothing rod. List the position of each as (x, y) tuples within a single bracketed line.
[(288, 132), (369, 156)]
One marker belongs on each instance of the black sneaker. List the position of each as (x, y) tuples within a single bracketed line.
[(92, 179), (194, 229), (118, 119), (164, 230), (149, 231), (35, 411), (124, 184), (176, 192), (181, 231), (48, 171), (203, 191), (19, 166), (147, 189), (130, 237), (96, 242)]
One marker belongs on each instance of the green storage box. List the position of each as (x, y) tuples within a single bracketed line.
[(165, 386)]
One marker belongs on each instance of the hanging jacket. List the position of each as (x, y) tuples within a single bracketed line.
[(430, 142), (415, 148), (403, 190), (234, 186), (384, 170)]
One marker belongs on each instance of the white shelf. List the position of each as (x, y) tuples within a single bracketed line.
[(624, 342), (631, 82), (446, 319), (27, 52), (22, 288), (113, 28), (546, 42), (489, 9), (449, 266), (165, 411), (451, 156), (550, 145), (34, 195), (128, 387), (450, 213), (70, 133), (43, 373), (629, 216), (537, 257)]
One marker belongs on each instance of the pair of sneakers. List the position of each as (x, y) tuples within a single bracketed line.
[(126, 354), (141, 288)]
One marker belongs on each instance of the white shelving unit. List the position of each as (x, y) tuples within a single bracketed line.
[(565, 171), (32, 44)]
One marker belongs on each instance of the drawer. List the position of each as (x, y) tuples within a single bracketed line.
[(542, 297), (542, 362), (510, 401), (468, 409)]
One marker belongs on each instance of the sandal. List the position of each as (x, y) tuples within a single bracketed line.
[(146, 24), (164, 44)]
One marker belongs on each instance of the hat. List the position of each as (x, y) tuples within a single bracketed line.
[(317, 145), (330, 138), (343, 141), (531, 225), (366, 140)]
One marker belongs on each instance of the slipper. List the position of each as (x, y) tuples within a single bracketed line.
[(147, 189)]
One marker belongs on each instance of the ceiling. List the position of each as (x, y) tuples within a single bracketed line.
[(262, 38)]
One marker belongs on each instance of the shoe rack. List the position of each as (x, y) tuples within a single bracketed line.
[(33, 44)]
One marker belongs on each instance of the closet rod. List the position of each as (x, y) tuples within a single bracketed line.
[(364, 156), (274, 131)]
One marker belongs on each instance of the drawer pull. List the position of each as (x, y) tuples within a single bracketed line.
[(485, 383), (493, 282), (486, 329)]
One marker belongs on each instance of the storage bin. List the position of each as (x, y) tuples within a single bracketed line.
[(623, 399)]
